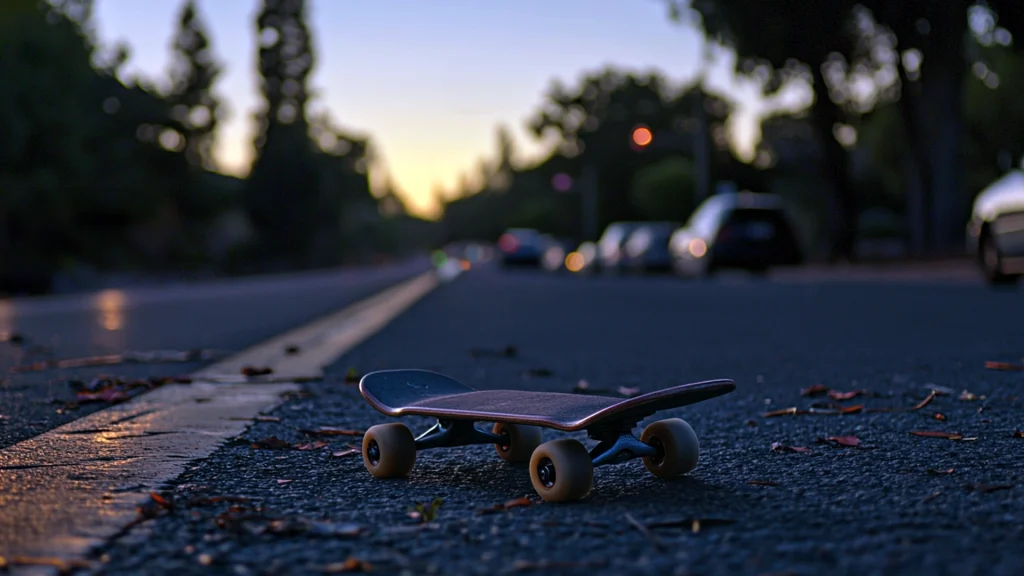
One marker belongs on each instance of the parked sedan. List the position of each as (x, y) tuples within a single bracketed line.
[(995, 233), (745, 230)]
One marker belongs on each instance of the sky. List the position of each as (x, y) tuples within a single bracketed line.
[(430, 82)]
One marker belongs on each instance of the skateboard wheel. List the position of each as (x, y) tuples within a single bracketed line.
[(389, 450), (678, 448), (561, 470), (522, 441)]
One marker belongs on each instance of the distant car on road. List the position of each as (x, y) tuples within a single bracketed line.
[(522, 247), (646, 249), (745, 230), (610, 245), (995, 233)]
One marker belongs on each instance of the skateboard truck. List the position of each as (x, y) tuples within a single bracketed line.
[(452, 433), (560, 470)]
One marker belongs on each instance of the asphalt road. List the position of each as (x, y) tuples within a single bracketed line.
[(211, 318), (895, 504)]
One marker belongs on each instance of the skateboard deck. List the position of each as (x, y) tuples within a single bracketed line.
[(425, 393)]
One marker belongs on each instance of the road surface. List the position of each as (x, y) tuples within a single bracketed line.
[(772, 494)]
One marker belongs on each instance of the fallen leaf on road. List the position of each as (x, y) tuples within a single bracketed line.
[(837, 395), (352, 376), (969, 397), (938, 434), (62, 566), (348, 566), (927, 400), (350, 450), (311, 446), (792, 411), (250, 371), (779, 447), (284, 481), (1004, 366), (939, 416), (762, 483), (331, 431), (517, 503), (1017, 434), (988, 488), (945, 472), (815, 390), (849, 441), (272, 443), (161, 501)]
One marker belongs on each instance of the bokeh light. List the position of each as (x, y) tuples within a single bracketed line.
[(698, 248), (642, 136), (574, 262), (561, 182)]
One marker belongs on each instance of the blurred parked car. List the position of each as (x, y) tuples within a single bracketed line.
[(646, 249), (522, 247), (995, 233), (745, 230), (610, 245)]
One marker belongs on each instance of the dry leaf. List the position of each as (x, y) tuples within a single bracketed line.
[(161, 501), (250, 371), (285, 481), (312, 446), (1004, 366), (850, 441), (517, 503), (945, 472), (792, 411), (938, 434), (350, 450), (351, 565), (837, 395), (1018, 434), (939, 416), (815, 390), (780, 447)]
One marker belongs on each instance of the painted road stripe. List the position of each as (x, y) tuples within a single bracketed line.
[(323, 341), (71, 489)]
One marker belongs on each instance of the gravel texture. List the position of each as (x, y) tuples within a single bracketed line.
[(895, 504)]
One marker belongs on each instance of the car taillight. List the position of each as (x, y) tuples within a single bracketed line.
[(508, 243)]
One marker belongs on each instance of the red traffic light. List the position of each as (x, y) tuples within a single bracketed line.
[(642, 136)]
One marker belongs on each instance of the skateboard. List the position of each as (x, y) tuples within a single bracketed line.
[(560, 470)]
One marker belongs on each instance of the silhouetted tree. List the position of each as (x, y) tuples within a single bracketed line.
[(282, 194), (194, 71)]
